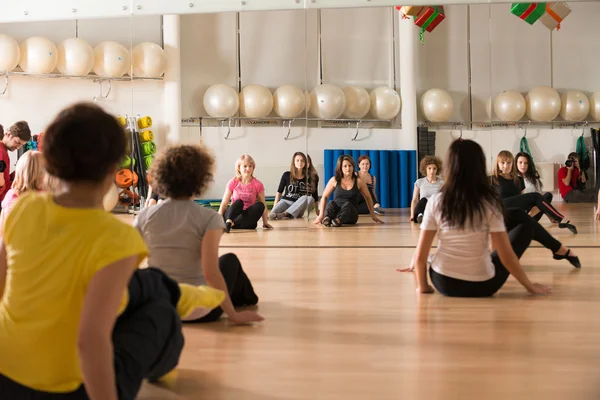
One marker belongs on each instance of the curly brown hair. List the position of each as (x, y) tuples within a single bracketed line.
[(83, 144), (428, 160), (182, 171)]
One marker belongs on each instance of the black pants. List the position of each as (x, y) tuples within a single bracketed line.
[(147, 340), (520, 238), (244, 219), (238, 284), (527, 201), (513, 217), (589, 195), (362, 206), (346, 212), (419, 209)]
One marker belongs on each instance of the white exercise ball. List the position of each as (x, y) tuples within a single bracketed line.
[(543, 104), (111, 198), (595, 106), (358, 102), (256, 101), (575, 106), (112, 60), (75, 57), (385, 103), (10, 53), (221, 101), (149, 60), (488, 108), (509, 106), (327, 101), (308, 101), (38, 55), (288, 101), (437, 105)]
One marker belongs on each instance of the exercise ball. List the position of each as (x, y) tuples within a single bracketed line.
[(10, 53), (358, 102), (509, 106), (289, 101), (75, 57), (256, 101), (149, 60), (385, 103), (111, 198), (308, 100), (111, 60), (221, 101), (595, 106), (437, 105), (38, 55), (488, 108), (327, 101), (543, 104), (575, 106)]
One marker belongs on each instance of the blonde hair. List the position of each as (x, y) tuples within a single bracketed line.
[(243, 158), (506, 155), (29, 173)]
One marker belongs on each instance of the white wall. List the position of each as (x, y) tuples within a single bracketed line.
[(38, 100)]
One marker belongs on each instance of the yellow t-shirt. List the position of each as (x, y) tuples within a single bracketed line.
[(53, 252)]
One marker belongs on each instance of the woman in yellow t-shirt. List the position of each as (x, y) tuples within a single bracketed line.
[(77, 319)]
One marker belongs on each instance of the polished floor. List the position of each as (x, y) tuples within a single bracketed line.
[(343, 323)]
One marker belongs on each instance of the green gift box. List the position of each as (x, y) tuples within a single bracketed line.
[(528, 12)]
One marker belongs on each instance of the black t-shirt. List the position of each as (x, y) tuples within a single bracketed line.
[(508, 187), (292, 191)]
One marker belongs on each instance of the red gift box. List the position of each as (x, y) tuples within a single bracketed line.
[(430, 17)]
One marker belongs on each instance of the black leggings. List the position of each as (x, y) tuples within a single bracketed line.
[(147, 340), (419, 209), (346, 212), (362, 206), (244, 219), (238, 284), (513, 217), (527, 201), (520, 238)]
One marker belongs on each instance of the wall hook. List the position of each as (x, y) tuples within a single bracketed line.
[(289, 129), (583, 126), (356, 136), (228, 128), (100, 96), (5, 84)]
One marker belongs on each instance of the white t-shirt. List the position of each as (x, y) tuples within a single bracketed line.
[(428, 189), (529, 186), (462, 254)]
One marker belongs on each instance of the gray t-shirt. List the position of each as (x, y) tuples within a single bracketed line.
[(173, 232), (427, 189)]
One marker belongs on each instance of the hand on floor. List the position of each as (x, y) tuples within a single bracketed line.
[(267, 226), (378, 221), (245, 317), (425, 289), (539, 289)]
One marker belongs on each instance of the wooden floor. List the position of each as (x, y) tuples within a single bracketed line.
[(342, 323)]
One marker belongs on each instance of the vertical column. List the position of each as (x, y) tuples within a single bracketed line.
[(408, 85), (172, 78)]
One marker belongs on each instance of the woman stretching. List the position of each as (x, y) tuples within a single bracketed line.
[(431, 167), (531, 179), (364, 165), (510, 186), (295, 194), (247, 195), (183, 237), (346, 188), (70, 291), (466, 214)]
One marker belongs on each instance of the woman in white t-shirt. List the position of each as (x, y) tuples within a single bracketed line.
[(425, 187), (531, 178), (465, 214)]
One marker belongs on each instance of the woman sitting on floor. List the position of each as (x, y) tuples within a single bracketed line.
[(183, 237), (247, 195), (346, 188), (466, 214), (430, 184), (531, 180), (364, 165), (295, 194)]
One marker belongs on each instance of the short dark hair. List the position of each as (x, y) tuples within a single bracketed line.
[(182, 171), (21, 130), (83, 144)]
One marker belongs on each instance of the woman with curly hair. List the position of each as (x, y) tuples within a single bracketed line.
[(431, 167), (183, 237)]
